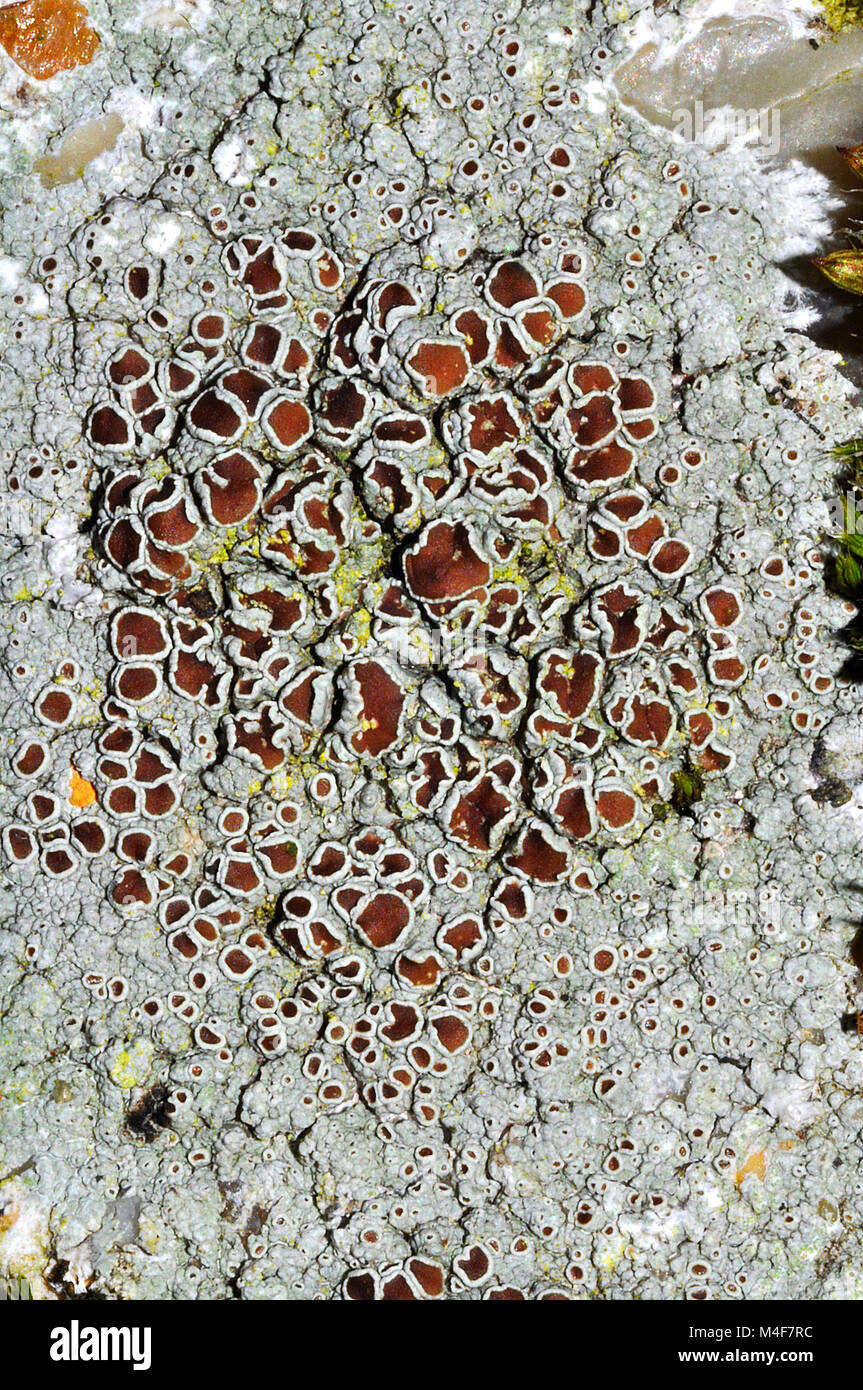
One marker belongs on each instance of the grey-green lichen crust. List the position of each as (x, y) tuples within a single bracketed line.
[(369, 972)]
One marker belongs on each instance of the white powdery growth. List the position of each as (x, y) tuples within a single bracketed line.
[(10, 274), (789, 1100), (229, 161), (138, 111), (162, 234), (671, 32), (806, 204), (64, 555), (187, 14)]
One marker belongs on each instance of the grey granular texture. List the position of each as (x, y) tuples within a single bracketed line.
[(430, 789)]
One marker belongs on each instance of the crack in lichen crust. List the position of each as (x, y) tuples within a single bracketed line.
[(454, 659)]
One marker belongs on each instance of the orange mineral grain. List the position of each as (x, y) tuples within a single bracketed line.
[(755, 1166), (45, 37), (81, 792)]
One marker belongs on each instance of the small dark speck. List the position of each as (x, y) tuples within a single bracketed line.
[(148, 1115)]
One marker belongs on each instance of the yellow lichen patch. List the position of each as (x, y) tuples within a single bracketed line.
[(131, 1066), (840, 13), (77, 150), (82, 792), (45, 37), (755, 1166)]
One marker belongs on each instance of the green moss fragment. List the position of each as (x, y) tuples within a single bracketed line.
[(849, 540), (847, 575), (851, 449), (688, 786)]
